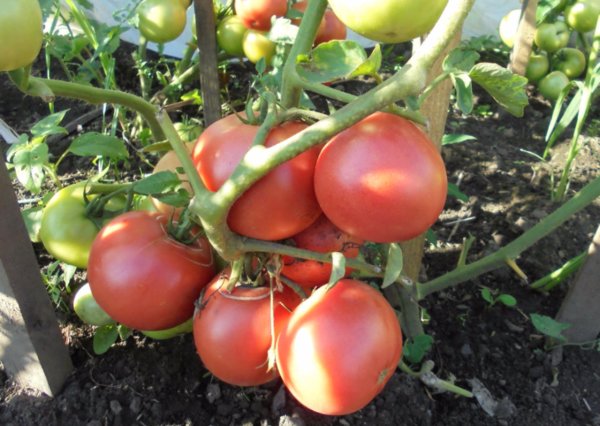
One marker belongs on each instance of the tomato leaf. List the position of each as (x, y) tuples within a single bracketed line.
[(371, 66), (507, 88), (338, 268), (486, 294), (393, 268), (507, 300), (464, 91), (93, 144), (549, 326), (30, 162), (157, 183), (453, 138), (415, 349), (331, 61), (104, 337), (460, 60), (33, 222), (545, 9), (50, 125)]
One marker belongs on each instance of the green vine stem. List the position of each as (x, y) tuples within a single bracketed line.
[(426, 375), (94, 95), (512, 250)]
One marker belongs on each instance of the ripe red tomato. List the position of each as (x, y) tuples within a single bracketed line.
[(279, 205), (330, 28), (232, 331), (323, 237), (339, 348), (142, 277), (256, 14), (382, 179)]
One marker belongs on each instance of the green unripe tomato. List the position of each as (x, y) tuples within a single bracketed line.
[(552, 36), (569, 60), (20, 33), (538, 67), (552, 84), (257, 45), (161, 21), (169, 333), (582, 15), (389, 21), (87, 309), (509, 26), (230, 35)]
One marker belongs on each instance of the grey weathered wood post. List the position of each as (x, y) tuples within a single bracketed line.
[(519, 57), (31, 346), (581, 307)]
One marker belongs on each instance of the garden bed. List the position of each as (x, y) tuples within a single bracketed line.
[(147, 382)]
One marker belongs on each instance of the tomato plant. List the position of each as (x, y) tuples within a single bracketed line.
[(230, 35), (388, 21), (161, 21), (552, 84), (381, 180), (257, 45), (279, 205), (87, 309), (323, 237), (232, 330), (67, 231), (582, 15), (330, 28), (552, 36), (20, 33), (339, 348), (257, 14), (569, 60), (142, 277), (170, 162)]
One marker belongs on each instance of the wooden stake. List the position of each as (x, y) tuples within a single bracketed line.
[(519, 57), (31, 345)]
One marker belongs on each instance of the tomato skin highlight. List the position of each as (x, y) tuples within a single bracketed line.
[(323, 237), (382, 179), (339, 348), (232, 331), (389, 21), (142, 277), (20, 33), (256, 14), (279, 205)]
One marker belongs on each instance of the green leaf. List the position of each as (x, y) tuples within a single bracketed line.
[(549, 326), (179, 198), (33, 222), (460, 60), (157, 183), (454, 191), (507, 300), (94, 144), (194, 96), (124, 332), (338, 268), (49, 125), (283, 31), (464, 92), (104, 337), (486, 294), (415, 349), (507, 88), (331, 61), (453, 138), (431, 237), (393, 268), (30, 163), (371, 66), (546, 9)]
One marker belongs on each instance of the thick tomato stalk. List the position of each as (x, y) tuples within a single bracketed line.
[(382, 179), (323, 237), (142, 277), (330, 28), (232, 330), (339, 348), (279, 205)]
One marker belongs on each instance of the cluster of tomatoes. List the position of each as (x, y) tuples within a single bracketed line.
[(554, 62), (246, 33), (381, 180)]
